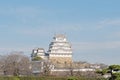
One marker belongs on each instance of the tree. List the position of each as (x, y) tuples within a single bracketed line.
[(16, 64), (47, 66), (102, 72), (41, 67), (116, 76), (36, 58), (113, 70), (71, 69)]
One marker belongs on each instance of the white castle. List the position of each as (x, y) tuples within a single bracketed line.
[(59, 52), (59, 55)]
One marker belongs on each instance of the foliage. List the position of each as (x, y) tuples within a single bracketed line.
[(102, 72), (49, 78), (9, 78), (114, 67), (113, 70), (116, 76), (37, 58), (72, 78)]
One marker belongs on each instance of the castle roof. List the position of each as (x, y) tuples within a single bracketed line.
[(60, 36)]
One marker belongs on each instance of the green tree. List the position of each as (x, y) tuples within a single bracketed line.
[(37, 58), (102, 72), (113, 70)]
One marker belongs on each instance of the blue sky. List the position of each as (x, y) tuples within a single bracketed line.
[(91, 26)]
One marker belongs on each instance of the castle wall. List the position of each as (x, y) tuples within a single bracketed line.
[(61, 60)]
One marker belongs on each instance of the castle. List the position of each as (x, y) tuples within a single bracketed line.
[(58, 58), (59, 52)]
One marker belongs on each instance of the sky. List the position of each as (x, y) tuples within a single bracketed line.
[(91, 26)]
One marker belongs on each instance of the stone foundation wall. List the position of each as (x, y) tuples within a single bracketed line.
[(61, 61)]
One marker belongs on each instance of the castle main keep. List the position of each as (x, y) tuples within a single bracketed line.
[(59, 52)]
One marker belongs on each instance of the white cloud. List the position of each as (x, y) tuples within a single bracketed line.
[(84, 46), (25, 49), (18, 47), (48, 29), (115, 35), (21, 11), (101, 24), (108, 23)]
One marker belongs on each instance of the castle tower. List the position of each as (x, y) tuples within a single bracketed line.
[(39, 52), (60, 51)]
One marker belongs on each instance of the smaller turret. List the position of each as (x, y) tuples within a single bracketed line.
[(38, 53)]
